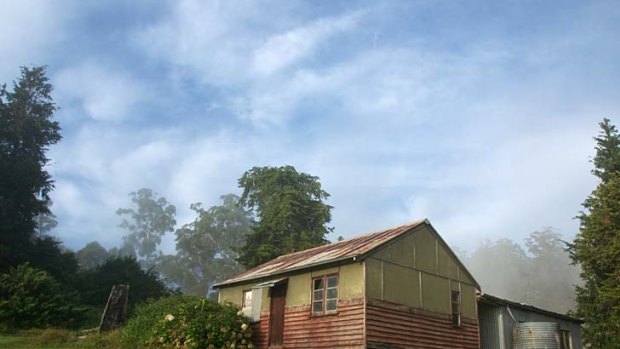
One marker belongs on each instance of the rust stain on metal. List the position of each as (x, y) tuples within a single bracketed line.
[(323, 254)]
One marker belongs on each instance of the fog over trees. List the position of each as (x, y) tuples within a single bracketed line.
[(537, 272)]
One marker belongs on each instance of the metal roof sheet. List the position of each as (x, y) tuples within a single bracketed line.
[(334, 252), (489, 299)]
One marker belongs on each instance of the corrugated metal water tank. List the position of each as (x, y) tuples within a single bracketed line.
[(536, 335)]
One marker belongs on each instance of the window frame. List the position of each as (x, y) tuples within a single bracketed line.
[(243, 299), (455, 316), (324, 311)]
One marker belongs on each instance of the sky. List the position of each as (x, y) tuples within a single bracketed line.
[(477, 115)]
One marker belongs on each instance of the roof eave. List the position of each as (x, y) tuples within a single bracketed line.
[(490, 299), (326, 264)]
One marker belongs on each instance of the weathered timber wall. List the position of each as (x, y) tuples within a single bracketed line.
[(342, 330), (393, 326)]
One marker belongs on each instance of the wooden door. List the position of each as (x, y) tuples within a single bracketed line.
[(276, 314)]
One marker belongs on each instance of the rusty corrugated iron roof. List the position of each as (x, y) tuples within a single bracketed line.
[(334, 252)]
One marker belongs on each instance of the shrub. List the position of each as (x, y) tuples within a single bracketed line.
[(187, 322), (54, 336), (30, 298), (94, 285)]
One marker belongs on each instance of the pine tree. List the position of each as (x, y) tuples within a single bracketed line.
[(597, 246), (27, 129)]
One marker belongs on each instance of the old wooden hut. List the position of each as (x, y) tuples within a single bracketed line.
[(398, 288)]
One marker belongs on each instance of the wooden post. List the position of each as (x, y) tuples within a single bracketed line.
[(115, 312)]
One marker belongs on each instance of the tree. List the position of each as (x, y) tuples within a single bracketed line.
[(147, 221), (543, 276), (45, 222), (597, 246), (94, 285), (206, 248), (607, 158), (48, 254), (290, 210), (92, 255), (550, 276), (26, 132), (30, 297), (500, 268)]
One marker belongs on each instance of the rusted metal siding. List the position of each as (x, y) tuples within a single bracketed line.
[(260, 331), (342, 330), (394, 326)]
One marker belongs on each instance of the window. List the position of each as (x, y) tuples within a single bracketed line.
[(565, 340), (325, 295), (246, 301), (455, 305)]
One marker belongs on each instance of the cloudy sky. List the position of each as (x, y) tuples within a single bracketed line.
[(478, 115)]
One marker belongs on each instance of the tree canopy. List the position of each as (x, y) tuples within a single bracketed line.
[(290, 210), (597, 245), (530, 275), (92, 255), (26, 132), (206, 248), (95, 284), (147, 221)]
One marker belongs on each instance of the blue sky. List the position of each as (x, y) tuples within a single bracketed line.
[(477, 115)]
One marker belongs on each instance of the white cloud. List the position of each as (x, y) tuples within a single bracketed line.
[(29, 29), (282, 50), (228, 42), (483, 138), (104, 94)]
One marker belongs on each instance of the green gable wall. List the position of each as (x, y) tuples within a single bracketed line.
[(419, 271)]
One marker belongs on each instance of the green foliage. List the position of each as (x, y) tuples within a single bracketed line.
[(607, 159), (32, 298), (147, 221), (92, 255), (47, 253), (206, 247), (60, 339), (187, 322), (94, 285), (26, 132), (290, 210), (54, 336), (597, 246)]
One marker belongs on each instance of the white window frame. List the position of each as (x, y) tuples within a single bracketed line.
[(324, 295)]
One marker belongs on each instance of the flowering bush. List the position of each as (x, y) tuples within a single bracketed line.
[(194, 323)]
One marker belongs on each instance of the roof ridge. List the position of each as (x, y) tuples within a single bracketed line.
[(412, 223), (324, 254)]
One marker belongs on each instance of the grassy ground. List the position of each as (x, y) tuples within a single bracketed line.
[(58, 339)]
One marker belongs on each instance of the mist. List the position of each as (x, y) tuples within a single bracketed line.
[(537, 273)]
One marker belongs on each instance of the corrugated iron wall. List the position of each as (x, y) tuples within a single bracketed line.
[(260, 331), (491, 327), (395, 326), (496, 325)]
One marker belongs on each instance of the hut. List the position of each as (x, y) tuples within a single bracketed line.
[(402, 287)]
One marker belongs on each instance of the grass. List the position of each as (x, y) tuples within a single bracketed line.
[(58, 339)]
